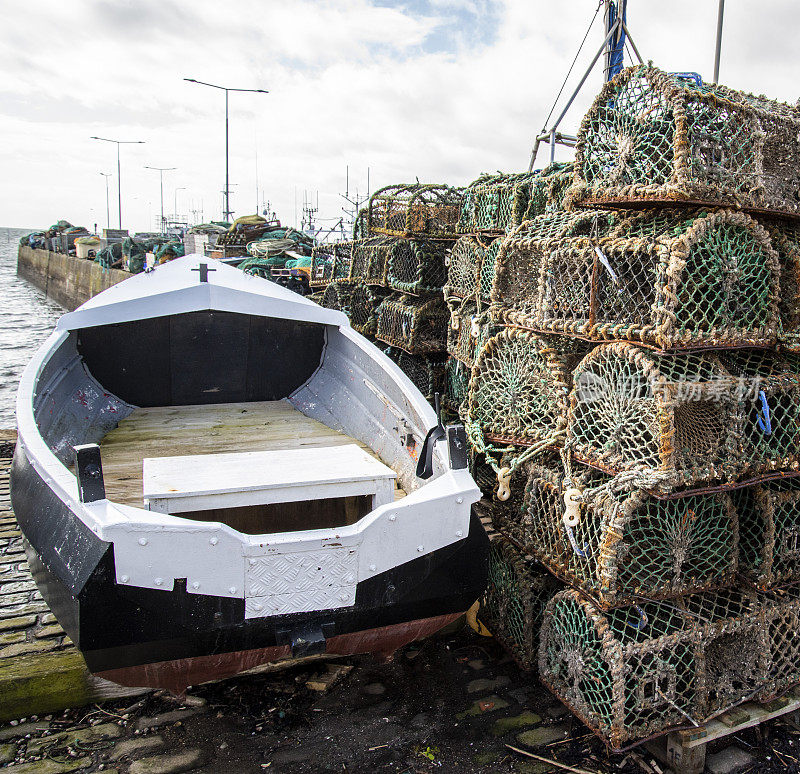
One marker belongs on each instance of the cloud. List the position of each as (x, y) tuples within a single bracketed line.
[(436, 89)]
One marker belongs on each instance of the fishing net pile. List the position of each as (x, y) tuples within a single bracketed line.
[(623, 351), (388, 279)]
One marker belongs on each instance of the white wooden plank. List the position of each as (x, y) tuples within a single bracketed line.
[(205, 481)]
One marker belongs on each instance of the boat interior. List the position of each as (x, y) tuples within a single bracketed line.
[(216, 383)]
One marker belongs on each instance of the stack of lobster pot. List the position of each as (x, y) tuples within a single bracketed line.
[(655, 378), (389, 278)]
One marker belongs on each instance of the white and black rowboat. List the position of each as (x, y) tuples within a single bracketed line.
[(271, 484)]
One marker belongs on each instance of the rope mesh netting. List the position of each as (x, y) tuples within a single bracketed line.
[(417, 324), (513, 604), (627, 545), (330, 262), (655, 136), (636, 671), (517, 393), (495, 203), (667, 278), (456, 386), (370, 259), (785, 237), (470, 269), (426, 372), (358, 301), (769, 532), (676, 416), (416, 266), (468, 331), (415, 209)]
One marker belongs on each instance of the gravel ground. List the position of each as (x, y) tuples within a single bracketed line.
[(450, 704)]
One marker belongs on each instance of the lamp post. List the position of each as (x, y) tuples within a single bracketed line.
[(119, 178), (161, 171), (175, 203), (226, 89), (106, 175)]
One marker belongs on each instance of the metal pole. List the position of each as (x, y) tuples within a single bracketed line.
[(119, 188), (719, 40), (161, 178), (227, 184)]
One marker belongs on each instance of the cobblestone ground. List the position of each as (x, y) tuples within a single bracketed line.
[(450, 704)]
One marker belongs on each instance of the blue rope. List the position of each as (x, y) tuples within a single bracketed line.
[(765, 424)]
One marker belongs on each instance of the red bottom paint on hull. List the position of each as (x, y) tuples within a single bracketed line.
[(178, 674)]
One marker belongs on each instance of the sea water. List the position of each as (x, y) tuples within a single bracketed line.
[(27, 318)]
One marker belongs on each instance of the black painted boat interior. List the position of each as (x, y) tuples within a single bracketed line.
[(202, 357)]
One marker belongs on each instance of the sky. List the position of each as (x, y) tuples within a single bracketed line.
[(435, 90)]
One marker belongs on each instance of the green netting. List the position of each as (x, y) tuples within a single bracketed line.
[(493, 203), (415, 209), (673, 416), (517, 398), (426, 373), (370, 259), (627, 545), (364, 302), (417, 266), (417, 324), (338, 295), (785, 235), (652, 136), (667, 278), (470, 267), (468, 331), (456, 387), (769, 532), (330, 262), (636, 671), (512, 607)]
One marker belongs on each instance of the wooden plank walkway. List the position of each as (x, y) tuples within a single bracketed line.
[(41, 671)]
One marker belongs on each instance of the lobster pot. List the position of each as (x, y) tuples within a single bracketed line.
[(317, 296), (330, 262), (513, 281), (470, 269), (494, 203), (364, 303), (339, 295), (634, 410), (785, 235), (456, 386), (661, 277), (635, 671), (426, 373), (468, 331), (769, 409), (415, 209), (413, 323), (629, 545), (417, 266), (513, 604), (371, 259), (769, 532), (517, 393), (652, 136)]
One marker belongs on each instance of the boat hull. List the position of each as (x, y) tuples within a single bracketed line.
[(172, 639)]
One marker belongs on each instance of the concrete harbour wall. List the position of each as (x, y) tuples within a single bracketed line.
[(67, 280)]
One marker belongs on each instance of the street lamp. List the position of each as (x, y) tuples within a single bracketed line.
[(161, 171), (175, 203), (227, 191), (106, 175), (119, 180)]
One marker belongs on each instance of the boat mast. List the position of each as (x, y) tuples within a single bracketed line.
[(617, 33)]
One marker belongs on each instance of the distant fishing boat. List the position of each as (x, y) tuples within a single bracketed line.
[(213, 472)]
